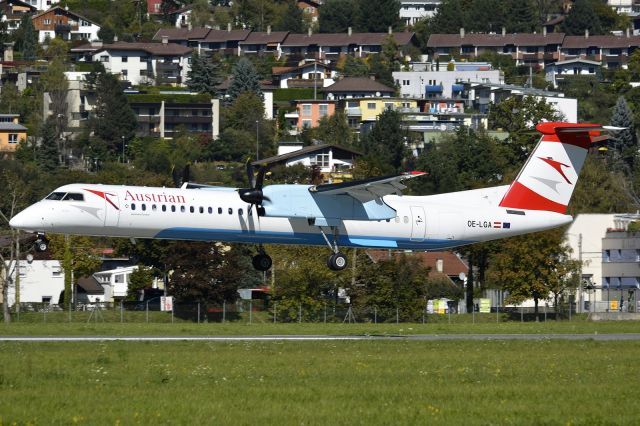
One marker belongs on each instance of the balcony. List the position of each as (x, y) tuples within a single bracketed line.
[(168, 67), (148, 119), (353, 112), (184, 119)]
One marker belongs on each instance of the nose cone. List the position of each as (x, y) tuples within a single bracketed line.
[(26, 220)]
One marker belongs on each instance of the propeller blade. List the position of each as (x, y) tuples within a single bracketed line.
[(260, 180), (176, 178), (186, 173), (250, 174)]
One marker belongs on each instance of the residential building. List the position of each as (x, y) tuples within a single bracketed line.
[(442, 264), (611, 50), (621, 6), (65, 24), (311, 111), (261, 43), (621, 268), (225, 42), (412, 11), (11, 134), (357, 87), (310, 8), (307, 74), (153, 7), (267, 94), (146, 63), (165, 114), (332, 160), (115, 283), (13, 11), (525, 49), (442, 84), (42, 4), (365, 111), (332, 46), (557, 71), (41, 281)]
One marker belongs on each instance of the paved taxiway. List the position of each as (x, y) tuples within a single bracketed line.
[(420, 337)]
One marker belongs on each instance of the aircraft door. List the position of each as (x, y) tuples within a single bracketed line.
[(418, 224), (111, 209)]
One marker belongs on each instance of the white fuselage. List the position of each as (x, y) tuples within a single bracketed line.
[(218, 214)]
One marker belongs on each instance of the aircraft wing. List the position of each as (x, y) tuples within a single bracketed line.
[(367, 189)]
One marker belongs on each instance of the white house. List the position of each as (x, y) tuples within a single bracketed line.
[(115, 282), (42, 4), (411, 11), (330, 158), (146, 63), (557, 70), (442, 84), (41, 281)]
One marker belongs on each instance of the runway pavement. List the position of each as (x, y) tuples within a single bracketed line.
[(418, 337)]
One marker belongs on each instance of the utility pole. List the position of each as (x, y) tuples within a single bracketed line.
[(580, 276)]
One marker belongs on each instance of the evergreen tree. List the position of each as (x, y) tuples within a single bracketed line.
[(47, 154), (376, 16), (204, 75), (581, 17), (488, 16), (336, 16), (112, 116), (625, 142), (292, 19), (449, 17), (385, 143), (29, 42), (245, 79), (522, 17)]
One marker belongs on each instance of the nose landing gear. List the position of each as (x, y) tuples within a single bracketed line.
[(262, 261), (41, 243)]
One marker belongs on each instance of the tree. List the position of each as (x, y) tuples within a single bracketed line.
[(29, 39), (376, 16), (245, 79), (292, 19), (488, 16), (581, 17), (204, 75), (334, 129), (625, 141), (56, 85), (200, 14), (449, 17), (521, 16), (48, 153), (336, 16), (112, 116), (351, 66), (386, 141), (106, 34), (139, 279), (531, 266)]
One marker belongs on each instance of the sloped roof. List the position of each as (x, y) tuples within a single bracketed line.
[(69, 12), (358, 84), (12, 127), (284, 70), (604, 41), (159, 49), (491, 40), (257, 37), (303, 152), (344, 39), (216, 36), (181, 33), (90, 285), (452, 265)]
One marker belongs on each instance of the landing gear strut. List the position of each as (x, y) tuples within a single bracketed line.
[(262, 261), (336, 261), (41, 243)]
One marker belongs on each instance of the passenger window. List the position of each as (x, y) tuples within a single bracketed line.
[(191, 209), (219, 210), (201, 209), (133, 206), (182, 209), (73, 196), (164, 208), (173, 209), (144, 207), (210, 210), (240, 212), (57, 196), (230, 210), (154, 208)]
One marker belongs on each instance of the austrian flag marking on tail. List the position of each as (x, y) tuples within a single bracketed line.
[(547, 180)]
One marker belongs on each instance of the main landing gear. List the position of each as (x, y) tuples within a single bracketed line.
[(41, 243), (262, 261), (336, 261)]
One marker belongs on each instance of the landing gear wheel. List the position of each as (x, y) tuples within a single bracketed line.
[(337, 262), (262, 262), (41, 244)]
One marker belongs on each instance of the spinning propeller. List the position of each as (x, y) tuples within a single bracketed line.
[(254, 195)]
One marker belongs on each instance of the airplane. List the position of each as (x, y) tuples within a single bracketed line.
[(370, 213)]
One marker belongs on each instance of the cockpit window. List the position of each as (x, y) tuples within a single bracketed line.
[(56, 196), (73, 196)]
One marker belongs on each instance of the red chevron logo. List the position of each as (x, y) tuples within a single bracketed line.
[(558, 166)]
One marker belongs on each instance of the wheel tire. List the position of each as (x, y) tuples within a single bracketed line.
[(41, 245), (262, 262), (337, 262)]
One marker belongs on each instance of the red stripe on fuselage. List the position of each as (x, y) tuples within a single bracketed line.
[(520, 197)]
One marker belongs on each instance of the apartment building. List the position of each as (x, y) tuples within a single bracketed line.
[(65, 24), (11, 134)]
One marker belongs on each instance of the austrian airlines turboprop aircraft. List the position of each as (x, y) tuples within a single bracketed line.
[(370, 213)]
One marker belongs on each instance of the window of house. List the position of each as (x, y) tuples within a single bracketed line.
[(104, 58), (371, 105), (118, 279), (125, 73), (46, 21), (125, 59), (13, 138), (322, 160), (306, 124), (324, 109), (306, 110), (388, 105)]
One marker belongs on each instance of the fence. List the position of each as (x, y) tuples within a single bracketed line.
[(258, 311)]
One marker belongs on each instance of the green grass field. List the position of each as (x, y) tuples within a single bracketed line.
[(320, 383)]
